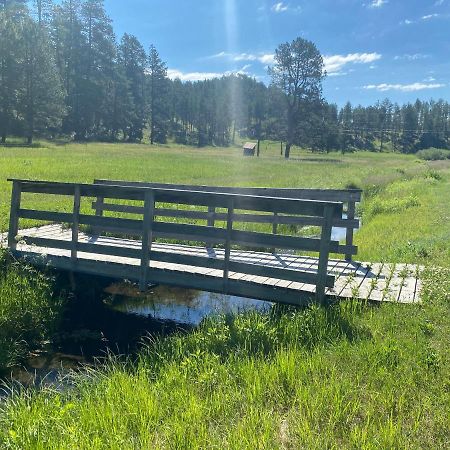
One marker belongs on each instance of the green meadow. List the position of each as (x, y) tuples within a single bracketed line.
[(348, 376)]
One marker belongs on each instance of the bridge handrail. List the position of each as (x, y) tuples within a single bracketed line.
[(346, 196), (148, 228)]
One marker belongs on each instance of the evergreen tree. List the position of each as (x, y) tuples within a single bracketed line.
[(42, 10), (11, 23), (158, 96), (97, 76), (132, 61), (42, 98)]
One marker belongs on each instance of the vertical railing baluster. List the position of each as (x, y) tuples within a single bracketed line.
[(349, 234), (324, 252), (149, 211), (211, 221), (75, 224), (226, 268), (274, 228), (99, 211), (13, 230)]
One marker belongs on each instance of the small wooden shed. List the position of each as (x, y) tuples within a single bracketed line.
[(249, 149)]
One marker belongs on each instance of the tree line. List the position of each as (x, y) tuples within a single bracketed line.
[(63, 72)]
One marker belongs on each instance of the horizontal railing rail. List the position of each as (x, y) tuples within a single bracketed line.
[(148, 228)]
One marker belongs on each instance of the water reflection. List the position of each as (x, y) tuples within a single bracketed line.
[(183, 306)]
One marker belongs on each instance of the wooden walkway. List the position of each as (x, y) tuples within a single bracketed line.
[(379, 282)]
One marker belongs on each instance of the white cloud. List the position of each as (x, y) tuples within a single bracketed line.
[(284, 7), (411, 57), (377, 3), (429, 16), (268, 58), (383, 87), (429, 79), (199, 76), (423, 18), (279, 7), (192, 76), (334, 63), (263, 58)]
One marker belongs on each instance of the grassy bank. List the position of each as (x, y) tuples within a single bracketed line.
[(29, 311), (351, 376), (347, 377)]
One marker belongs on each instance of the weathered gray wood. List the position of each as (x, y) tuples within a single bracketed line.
[(263, 272), (229, 232), (99, 210), (75, 223), (147, 228), (110, 250), (248, 218), (349, 234), (275, 223), (324, 254), (211, 216), (198, 198), (147, 225), (343, 195), (49, 216), (14, 215), (211, 219), (189, 232)]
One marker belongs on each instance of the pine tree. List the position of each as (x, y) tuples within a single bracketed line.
[(97, 76), (42, 97), (132, 62), (10, 68), (158, 94), (43, 10)]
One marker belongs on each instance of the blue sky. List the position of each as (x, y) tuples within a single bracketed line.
[(372, 49)]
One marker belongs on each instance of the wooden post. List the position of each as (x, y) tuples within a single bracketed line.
[(149, 210), (75, 224), (226, 268), (211, 223), (14, 215), (281, 147), (274, 228), (349, 235), (275, 223), (324, 253), (257, 148), (99, 212)]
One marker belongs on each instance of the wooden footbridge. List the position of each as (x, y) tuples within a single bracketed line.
[(238, 241)]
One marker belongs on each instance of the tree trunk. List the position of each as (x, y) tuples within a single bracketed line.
[(30, 139), (287, 150), (3, 138)]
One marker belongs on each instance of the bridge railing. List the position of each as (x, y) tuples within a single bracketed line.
[(149, 228), (348, 197)]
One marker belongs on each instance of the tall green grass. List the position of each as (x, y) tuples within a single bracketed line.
[(29, 311), (349, 376)]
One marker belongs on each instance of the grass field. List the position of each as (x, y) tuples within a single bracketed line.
[(350, 376)]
